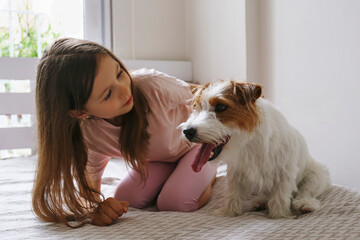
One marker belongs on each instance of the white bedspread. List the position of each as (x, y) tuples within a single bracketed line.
[(339, 217)]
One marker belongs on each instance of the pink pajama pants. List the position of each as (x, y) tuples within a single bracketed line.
[(175, 186)]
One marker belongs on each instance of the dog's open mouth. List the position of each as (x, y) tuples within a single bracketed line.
[(207, 152)]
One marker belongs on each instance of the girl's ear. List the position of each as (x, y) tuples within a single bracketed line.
[(79, 114)]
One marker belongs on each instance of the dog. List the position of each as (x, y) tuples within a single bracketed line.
[(268, 162)]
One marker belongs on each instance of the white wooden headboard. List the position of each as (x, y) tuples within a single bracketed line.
[(24, 103), (18, 103)]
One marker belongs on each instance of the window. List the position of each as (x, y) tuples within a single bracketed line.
[(27, 27)]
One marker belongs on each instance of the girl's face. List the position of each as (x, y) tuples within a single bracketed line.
[(111, 93)]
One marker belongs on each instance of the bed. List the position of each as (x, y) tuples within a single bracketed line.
[(339, 217)]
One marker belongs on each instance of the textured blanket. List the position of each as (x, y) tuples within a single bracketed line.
[(339, 217)]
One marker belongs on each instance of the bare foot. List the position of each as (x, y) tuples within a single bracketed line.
[(205, 196)]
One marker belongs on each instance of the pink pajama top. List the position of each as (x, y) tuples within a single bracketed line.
[(168, 99)]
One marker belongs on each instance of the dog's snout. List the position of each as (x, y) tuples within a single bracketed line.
[(190, 133)]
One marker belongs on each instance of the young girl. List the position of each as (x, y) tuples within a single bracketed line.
[(90, 109)]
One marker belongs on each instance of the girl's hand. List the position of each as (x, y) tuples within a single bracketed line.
[(109, 211)]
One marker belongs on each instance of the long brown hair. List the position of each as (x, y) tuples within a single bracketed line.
[(64, 81)]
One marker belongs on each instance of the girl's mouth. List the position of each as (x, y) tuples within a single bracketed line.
[(128, 101)]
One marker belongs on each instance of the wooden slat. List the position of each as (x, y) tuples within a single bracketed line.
[(25, 68), (11, 138), (18, 68), (24, 103), (17, 103)]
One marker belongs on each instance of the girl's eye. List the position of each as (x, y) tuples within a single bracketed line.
[(220, 107), (108, 95), (119, 75)]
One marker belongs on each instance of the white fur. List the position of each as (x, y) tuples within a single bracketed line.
[(269, 166)]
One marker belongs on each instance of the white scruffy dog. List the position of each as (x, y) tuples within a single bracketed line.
[(268, 163)]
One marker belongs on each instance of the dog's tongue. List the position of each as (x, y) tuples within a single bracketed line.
[(202, 156)]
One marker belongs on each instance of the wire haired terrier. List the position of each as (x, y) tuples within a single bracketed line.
[(268, 162)]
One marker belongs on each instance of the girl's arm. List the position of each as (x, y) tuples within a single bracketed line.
[(94, 184), (109, 210)]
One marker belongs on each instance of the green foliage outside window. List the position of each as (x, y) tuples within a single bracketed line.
[(27, 36), (4, 47)]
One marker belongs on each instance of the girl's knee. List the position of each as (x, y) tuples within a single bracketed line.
[(140, 204), (176, 202), (135, 200)]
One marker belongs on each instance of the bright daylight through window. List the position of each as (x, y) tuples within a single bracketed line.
[(27, 27)]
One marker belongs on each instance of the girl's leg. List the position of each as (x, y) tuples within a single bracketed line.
[(182, 190), (141, 194)]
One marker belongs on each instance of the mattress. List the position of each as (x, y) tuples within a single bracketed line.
[(339, 217)]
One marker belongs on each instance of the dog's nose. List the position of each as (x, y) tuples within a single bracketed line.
[(190, 133)]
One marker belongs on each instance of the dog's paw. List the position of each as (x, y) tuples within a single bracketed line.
[(222, 212), (286, 215), (219, 213), (306, 205)]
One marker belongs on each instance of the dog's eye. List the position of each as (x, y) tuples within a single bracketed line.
[(220, 107)]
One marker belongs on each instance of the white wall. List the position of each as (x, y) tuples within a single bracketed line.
[(210, 33), (216, 44), (310, 62), (306, 54), (149, 29)]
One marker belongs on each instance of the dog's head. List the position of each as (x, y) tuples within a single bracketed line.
[(218, 108)]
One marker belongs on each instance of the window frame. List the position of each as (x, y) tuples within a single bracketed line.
[(94, 11), (98, 22)]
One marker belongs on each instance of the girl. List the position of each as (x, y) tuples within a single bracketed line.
[(90, 109)]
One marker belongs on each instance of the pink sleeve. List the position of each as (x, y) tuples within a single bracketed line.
[(101, 146), (96, 165)]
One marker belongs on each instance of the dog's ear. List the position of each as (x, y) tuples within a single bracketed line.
[(257, 91), (195, 87), (247, 92), (196, 90)]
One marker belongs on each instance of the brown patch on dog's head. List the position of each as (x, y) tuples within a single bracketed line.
[(197, 91), (236, 106)]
